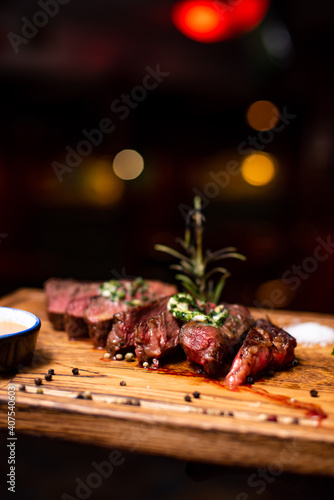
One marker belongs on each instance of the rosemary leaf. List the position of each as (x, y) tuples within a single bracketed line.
[(221, 270), (171, 251), (218, 290)]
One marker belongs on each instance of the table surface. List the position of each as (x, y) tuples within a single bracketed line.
[(149, 413)]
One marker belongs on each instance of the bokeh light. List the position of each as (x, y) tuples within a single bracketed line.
[(100, 185), (262, 115), (128, 164), (258, 169), (210, 21)]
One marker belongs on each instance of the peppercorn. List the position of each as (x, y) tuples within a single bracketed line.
[(249, 380), (230, 414), (270, 373), (295, 421), (80, 395), (196, 394), (75, 371), (187, 398), (38, 381), (39, 390), (22, 387), (119, 356), (271, 418), (107, 355), (146, 364), (87, 395), (122, 383), (51, 371), (129, 356), (314, 393), (48, 377)]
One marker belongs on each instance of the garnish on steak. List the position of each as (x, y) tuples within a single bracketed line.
[(121, 335), (58, 294), (186, 308), (156, 337), (208, 344), (266, 346)]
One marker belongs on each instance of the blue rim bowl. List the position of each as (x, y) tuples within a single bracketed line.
[(17, 349)]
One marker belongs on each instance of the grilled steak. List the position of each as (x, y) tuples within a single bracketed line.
[(266, 346), (74, 323), (99, 317), (207, 345), (127, 294), (121, 335), (156, 337), (204, 344), (58, 294)]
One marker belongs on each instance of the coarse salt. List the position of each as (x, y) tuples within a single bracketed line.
[(311, 333)]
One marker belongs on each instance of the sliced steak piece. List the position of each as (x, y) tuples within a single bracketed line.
[(158, 288), (266, 346), (284, 344), (207, 345), (121, 335), (156, 337), (100, 311), (75, 325), (99, 317), (238, 321), (58, 294)]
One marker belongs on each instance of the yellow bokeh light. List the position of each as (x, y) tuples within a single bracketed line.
[(128, 164), (258, 169), (262, 115), (100, 185)]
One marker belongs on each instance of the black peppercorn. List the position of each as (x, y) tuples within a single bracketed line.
[(122, 383), (48, 377), (75, 371), (196, 394), (51, 371), (38, 381), (314, 393), (22, 387), (249, 380), (187, 398)]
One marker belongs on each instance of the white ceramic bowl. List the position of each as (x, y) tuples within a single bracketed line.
[(16, 349)]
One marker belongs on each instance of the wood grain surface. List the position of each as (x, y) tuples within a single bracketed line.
[(274, 423)]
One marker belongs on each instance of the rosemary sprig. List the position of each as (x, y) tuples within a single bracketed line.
[(195, 267)]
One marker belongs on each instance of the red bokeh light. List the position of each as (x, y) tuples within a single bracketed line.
[(212, 20)]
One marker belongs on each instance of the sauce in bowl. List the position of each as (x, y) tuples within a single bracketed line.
[(7, 327)]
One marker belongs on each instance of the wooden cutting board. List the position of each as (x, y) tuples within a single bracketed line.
[(274, 424)]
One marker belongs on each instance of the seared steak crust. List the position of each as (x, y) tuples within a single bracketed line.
[(121, 335), (266, 346), (156, 337)]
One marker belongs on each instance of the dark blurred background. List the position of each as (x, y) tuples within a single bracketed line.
[(70, 66)]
